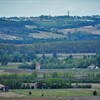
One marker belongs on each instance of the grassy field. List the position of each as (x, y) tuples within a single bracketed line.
[(56, 92), (88, 29), (10, 66), (13, 68), (46, 35), (50, 94)]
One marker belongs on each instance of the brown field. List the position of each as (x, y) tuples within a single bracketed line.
[(27, 98), (58, 98), (10, 94), (81, 98), (88, 29), (46, 35)]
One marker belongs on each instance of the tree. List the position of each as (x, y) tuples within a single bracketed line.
[(43, 56), (54, 55), (98, 59), (17, 56), (54, 75), (34, 74), (4, 58), (94, 93), (31, 56)]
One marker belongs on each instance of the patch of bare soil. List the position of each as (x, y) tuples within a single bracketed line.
[(15, 96), (81, 98), (27, 98), (10, 94), (62, 98)]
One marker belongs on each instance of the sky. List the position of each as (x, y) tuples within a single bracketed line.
[(19, 8)]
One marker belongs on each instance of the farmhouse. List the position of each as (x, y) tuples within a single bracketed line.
[(33, 85), (3, 88), (29, 85)]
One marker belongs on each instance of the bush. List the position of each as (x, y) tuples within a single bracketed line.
[(27, 66), (53, 83), (94, 93), (82, 86)]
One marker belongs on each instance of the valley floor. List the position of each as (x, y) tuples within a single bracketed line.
[(50, 94)]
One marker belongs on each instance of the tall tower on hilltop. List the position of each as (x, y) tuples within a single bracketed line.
[(68, 13)]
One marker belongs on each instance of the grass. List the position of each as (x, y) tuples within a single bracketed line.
[(46, 35), (10, 66), (56, 92)]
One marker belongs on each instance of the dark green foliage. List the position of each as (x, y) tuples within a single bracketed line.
[(43, 56), (61, 47), (30, 93), (77, 36), (40, 84), (53, 83), (82, 86), (98, 59), (55, 75), (94, 93), (15, 81), (4, 57), (55, 54), (28, 66), (15, 27)]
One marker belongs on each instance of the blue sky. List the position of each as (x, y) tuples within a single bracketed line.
[(49, 7)]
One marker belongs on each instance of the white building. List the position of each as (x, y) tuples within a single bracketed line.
[(37, 66)]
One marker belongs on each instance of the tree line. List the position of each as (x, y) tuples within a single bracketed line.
[(28, 53), (53, 80), (51, 47)]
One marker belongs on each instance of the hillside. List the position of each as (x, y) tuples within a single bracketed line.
[(88, 29), (49, 27), (53, 47), (46, 35)]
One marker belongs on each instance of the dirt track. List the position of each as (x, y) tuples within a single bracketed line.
[(59, 98), (15, 96), (9, 94), (26, 98), (81, 98)]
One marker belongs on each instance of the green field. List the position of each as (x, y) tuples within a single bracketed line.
[(56, 92), (10, 66)]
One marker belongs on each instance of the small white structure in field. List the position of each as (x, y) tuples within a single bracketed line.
[(3, 87), (37, 66), (93, 67), (29, 85)]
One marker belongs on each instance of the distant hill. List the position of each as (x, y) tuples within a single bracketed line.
[(88, 29), (48, 27)]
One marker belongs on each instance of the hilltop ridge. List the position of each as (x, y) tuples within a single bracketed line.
[(50, 27)]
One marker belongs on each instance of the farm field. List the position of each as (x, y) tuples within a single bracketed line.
[(13, 68), (64, 55), (77, 71), (69, 98), (28, 98), (46, 35), (10, 66), (53, 94), (56, 92), (88, 29)]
